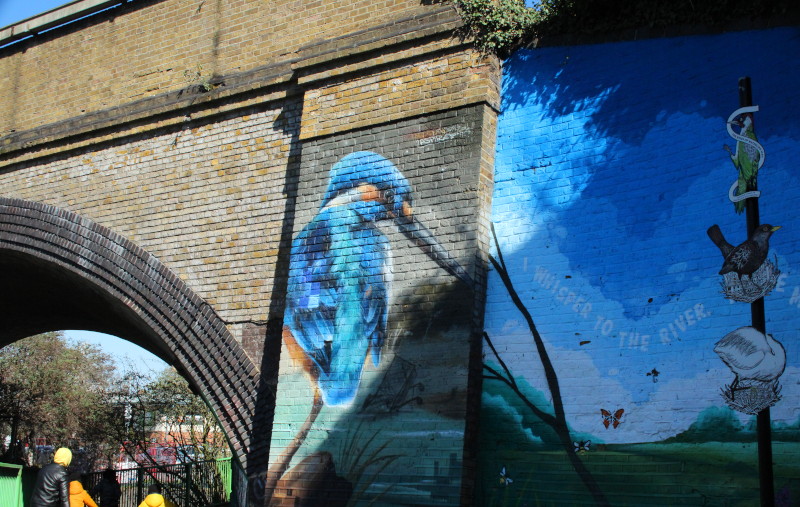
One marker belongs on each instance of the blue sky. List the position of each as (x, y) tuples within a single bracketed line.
[(125, 353), (12, 11)]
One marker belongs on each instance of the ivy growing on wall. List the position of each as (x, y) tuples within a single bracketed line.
[(498, 26), (501, 26)]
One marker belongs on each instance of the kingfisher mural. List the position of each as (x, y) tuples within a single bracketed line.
[(341, 269), (339, 296), (608, 175)]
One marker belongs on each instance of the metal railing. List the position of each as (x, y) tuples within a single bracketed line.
[(194, 484)]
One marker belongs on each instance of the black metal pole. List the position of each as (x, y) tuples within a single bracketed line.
[(763, 421)]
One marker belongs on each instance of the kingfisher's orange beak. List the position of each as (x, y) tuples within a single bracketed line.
[(408, 211)]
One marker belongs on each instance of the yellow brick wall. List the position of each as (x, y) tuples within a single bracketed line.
[(445, 81), (207, 201), (141, 52)]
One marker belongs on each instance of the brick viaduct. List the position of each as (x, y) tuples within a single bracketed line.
[(151, 156)]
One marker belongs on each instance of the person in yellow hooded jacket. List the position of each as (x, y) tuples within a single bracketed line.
[(78, 497), (155, 499), (51, 488)]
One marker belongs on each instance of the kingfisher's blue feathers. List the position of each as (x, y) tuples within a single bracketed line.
[(339, 272), (338, 293)]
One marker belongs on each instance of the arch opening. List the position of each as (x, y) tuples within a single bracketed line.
[(63, 271)]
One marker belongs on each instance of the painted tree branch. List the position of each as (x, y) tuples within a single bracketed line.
[(283, 461), (559, 421), (541, 414)]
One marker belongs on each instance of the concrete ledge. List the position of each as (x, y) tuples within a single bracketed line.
[(172, 102), (346, 46), (270, 82)]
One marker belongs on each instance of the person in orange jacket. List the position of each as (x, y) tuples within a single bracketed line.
[(154, 498), (78, 497)]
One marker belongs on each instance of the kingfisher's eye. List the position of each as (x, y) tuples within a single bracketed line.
[(388, 196)]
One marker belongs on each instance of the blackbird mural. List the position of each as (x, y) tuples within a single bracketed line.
[(748, 275), (748, 257)]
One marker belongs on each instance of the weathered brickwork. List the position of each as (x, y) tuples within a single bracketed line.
[(152, 47), (59, 267), (206, 200), (417, 87)]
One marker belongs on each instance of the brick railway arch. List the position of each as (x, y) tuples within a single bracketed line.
[(64, 271)]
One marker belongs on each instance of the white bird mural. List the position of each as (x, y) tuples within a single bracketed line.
[(752, 356)]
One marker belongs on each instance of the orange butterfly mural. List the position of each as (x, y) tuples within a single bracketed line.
[(610, 419)]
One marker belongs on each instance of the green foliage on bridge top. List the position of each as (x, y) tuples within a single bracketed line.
[(502, 26), (499, 26)]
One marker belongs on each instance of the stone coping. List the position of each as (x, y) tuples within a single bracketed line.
[(274, 81), (53, 18)]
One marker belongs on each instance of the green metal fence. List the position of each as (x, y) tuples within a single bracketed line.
[(10, 485)]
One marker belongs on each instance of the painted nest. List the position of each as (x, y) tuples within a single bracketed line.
[(747, 289), (751, 397)]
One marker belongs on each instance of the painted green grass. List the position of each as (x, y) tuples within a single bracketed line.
[(712, 473)]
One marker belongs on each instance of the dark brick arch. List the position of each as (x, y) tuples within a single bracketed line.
[(59, 270)]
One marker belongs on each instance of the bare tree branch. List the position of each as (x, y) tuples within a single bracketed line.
[(558, 422)]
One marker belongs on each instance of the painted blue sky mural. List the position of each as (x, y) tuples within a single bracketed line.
[(609, 169)]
